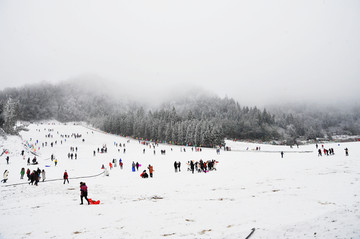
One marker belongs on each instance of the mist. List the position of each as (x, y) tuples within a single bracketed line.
[(257, 52)]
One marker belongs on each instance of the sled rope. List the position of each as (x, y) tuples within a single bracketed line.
[(51, 180)]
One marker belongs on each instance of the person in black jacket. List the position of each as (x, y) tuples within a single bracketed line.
[(175, 166)]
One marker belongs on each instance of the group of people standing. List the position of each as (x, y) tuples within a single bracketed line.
[(202, 166), (35, 176), (327, 152), (177, 166), (323, 151)]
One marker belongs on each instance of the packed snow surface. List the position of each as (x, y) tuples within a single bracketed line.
[(301, 195)]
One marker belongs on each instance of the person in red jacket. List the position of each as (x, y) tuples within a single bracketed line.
[(66, 177), (83, 190)]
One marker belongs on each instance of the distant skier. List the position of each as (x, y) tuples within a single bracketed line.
[(282, 154), (84, 192), (137, 166), (346, 151), (7, 159), (179, 165), (66, 177), (55, 162)]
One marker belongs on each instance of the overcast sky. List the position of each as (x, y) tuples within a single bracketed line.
[(255, 51)]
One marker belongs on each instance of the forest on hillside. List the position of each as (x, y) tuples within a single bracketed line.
[(201, 119)]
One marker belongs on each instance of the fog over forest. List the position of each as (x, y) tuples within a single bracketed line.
[(186, 72), (196, 118)]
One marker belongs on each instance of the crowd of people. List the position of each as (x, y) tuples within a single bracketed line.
[(202, 166), (35, 176)]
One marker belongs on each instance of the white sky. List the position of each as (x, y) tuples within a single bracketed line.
[(255, 51)]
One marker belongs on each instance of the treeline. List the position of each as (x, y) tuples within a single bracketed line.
[(194, 120), (166, 126)]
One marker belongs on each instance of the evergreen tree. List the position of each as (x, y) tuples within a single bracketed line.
[(10, 114)]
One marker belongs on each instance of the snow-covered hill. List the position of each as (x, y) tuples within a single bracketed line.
[(298, 196)]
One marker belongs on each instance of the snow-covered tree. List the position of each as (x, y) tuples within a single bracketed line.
[(10, 114)]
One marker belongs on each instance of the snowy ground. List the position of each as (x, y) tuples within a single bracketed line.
[(299, 196)]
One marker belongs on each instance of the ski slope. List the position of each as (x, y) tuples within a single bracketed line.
[(298, 196)]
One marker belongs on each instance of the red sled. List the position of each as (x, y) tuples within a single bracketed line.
[(94, 202)]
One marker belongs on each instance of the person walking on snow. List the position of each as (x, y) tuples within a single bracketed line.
[(319, 152), (6, 176), (175, 166), (84, 193), (66, 177), (192, 166), (133, 166), (151, 170), (43, 175), (28, 174), (22, 173), (36, 178)]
